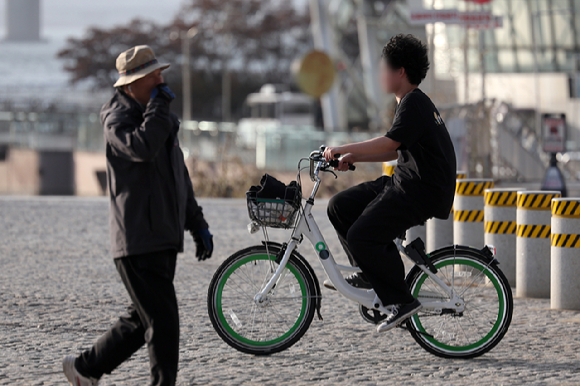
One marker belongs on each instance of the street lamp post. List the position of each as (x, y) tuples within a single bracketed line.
[(186, 71), (226, 82)]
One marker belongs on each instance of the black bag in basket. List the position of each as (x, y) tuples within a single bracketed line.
[(272, 188), (272, 203)]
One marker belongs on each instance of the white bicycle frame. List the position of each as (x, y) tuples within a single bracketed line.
[(307, 227)]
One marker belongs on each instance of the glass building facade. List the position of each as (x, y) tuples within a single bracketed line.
[(536, 36)]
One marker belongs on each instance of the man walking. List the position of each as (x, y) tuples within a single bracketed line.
[(151, 204)]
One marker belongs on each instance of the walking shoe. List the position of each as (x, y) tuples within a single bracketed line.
[(73, 376), (401, 312), (356, 280)]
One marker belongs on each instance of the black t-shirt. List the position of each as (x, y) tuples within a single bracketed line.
[(426, 167)]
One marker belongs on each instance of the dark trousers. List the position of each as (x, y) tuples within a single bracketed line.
[(152, 319), (367, 218)]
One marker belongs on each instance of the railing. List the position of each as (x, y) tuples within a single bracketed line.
[(514, 150), (277, 147)]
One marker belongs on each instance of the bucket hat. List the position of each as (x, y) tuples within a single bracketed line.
[(135, 63)]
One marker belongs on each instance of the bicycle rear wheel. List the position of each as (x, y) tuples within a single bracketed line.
[(276, 323), (488, 305)]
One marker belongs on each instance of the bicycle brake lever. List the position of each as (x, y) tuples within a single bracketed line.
[(331, 171)]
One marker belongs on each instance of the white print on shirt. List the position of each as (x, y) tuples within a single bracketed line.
[(438, 119)]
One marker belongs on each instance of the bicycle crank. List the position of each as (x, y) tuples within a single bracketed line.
[(370, 315)]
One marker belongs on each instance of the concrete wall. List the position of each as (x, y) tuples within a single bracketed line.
[(19, 174), (86, 166)]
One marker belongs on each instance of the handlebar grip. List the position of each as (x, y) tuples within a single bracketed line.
[(334, 164)]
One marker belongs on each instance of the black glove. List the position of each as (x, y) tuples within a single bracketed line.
[(203, 244), (163, 91)]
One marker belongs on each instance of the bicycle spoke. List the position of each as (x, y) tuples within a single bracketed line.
[(280, 310), (480, 298)]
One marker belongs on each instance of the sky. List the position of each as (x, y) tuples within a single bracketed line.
[(61, 18), (33, 67)]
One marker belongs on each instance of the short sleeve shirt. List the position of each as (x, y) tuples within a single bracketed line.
[(426, 164)]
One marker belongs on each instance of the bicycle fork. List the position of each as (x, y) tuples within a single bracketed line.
[(279, 274)]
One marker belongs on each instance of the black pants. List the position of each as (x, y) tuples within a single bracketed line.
[(367, 218), (152, 318)]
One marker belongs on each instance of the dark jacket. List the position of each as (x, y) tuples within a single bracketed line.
[(152, 200)]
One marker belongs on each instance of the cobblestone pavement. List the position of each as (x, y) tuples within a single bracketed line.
[(59, 291)]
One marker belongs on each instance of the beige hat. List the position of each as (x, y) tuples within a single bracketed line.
[(135, 63)]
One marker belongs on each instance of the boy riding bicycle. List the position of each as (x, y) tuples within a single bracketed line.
[(369, 216)]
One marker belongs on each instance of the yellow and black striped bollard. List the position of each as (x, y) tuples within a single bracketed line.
[(565, 254), (468, 211), (533, 243), (500, 227), (440, 231), (389, 168), (413, 232)]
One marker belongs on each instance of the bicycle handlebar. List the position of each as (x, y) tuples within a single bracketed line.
[(317, 157), (334, 164)]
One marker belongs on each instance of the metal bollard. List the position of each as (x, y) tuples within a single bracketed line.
[(500, 227), (416, 231), (468, 211), (533, 243), (565, 261), (389, 167), (440, 232)]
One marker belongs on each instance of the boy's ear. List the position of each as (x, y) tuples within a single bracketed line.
[(402, 72)]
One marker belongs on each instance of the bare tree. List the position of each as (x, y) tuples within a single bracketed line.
[(256, 40)]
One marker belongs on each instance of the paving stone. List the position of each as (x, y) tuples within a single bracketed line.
[(59, 291)]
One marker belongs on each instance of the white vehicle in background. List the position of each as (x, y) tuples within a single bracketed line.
[(274, 110)]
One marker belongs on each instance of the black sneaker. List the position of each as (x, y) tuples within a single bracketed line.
[(401, 312), (356, 280)]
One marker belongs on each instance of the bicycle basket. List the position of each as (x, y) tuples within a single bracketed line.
[(276, 206)]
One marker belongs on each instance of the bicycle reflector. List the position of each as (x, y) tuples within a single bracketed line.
[(491, 248)]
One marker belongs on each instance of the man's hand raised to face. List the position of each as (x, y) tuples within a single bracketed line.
[(162, 91)]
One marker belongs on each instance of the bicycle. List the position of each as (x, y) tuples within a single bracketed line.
[(262, 299)]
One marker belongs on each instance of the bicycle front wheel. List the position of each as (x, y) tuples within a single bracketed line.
[(279, 320), (486, 295)]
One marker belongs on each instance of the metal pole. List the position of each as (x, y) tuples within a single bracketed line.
[(465, 69), (226, 87), (369, 56), (226, 95), (333, 106), (186, 72), (431, 53), (536, 70), (482, 61)]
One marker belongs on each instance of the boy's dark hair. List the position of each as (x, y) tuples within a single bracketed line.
[(408, 52)]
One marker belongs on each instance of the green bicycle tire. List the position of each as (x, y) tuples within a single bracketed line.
[(228, 333), (470, 257)]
